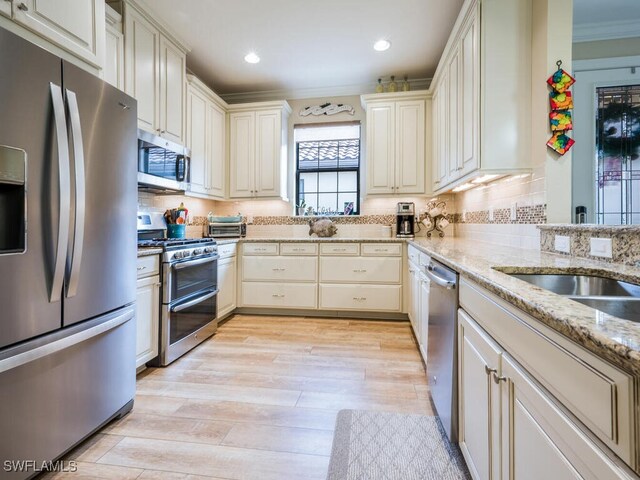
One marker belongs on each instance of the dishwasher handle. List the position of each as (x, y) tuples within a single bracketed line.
[(449, 285)]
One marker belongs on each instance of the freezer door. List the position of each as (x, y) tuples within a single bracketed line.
[(100, 274), (29, 294)]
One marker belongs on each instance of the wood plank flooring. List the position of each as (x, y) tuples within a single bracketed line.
[(258, 401)]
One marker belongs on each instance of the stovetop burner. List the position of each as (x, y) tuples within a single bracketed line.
[(172, 243)]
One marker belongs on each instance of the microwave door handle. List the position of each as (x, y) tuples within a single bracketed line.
[(195, 301), (80, 200), (64, 196), (180, 159)]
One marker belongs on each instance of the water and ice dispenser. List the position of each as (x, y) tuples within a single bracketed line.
[(13, 200)]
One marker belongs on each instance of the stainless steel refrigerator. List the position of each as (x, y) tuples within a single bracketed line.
[(68, 197)]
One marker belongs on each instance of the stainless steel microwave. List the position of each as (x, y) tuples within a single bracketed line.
[(163, 166)]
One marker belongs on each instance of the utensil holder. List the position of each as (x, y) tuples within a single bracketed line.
[(176, 230)]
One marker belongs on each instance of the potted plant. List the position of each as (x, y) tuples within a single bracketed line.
[(301, 207)]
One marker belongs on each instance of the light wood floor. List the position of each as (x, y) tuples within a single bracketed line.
[(258, 401)]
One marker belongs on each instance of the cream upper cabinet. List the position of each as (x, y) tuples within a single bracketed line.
[(206, 138), (142, 67), (113, 72), (173, 70), (380, 162), (76, 26), (155, 74), (470, 142), (257, 150), (396, 150)]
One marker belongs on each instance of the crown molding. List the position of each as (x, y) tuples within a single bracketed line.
[(590, 32), (320, 92)]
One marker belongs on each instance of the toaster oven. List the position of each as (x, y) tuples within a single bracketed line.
[(227, 230)]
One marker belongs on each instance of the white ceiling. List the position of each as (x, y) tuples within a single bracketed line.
[(308, 44), (601, 11)]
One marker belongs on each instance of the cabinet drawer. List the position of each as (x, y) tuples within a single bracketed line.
[(227, 250), (381, 249), (279, 269), (147, 266), (340, 249), (298, 249), (279, 295), (361, 269), (260, 249), (597, 393), (379, 298)]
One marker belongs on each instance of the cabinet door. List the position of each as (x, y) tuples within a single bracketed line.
[(479, 399), (147, 319), (74, 25), (216, 175), (197, 106), (469, 158), (443, 131), (412, 293), (5, 8), (534, 428), (380, 163), (142, 71), (173, 72), (114, 57), (423, 317), (410, 147), (268, 143), (453, 117), (241, 154), (227, 286)]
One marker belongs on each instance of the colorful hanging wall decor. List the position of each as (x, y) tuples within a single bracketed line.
[(561, 104)]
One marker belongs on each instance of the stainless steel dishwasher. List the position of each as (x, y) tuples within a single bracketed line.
[(442, 345)]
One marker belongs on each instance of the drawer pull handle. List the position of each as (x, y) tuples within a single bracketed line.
[(23, 7), (298, 249), (275, 295), (340, 249), (381, 249), (261, 249), (278, 269), (359, 299), (141, 268), (359, 270)]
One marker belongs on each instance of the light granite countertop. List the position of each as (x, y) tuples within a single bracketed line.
[(324, 240), (612, 338), (146, 251)]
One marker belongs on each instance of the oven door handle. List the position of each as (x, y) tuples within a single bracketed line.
[(193, 263), (195, 301)]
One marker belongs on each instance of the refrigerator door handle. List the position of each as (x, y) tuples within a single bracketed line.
[(64, 196), (75, 256)]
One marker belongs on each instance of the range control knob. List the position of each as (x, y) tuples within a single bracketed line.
[(177, 255), (197, 251)]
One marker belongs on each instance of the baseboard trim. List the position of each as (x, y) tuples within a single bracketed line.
[(399, 317)]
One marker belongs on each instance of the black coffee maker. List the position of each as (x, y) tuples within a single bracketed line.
[(405, 220)]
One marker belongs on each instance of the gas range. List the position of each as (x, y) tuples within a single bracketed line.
[(180, 249)]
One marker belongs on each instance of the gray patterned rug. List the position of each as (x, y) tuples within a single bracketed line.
[(393, 446)]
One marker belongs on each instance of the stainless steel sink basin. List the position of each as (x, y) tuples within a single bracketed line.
[(627, 308), (581, 285), (615, 297)]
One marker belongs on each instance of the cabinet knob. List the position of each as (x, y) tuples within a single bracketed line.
[(489, 371), (23, 7), (497, 379)]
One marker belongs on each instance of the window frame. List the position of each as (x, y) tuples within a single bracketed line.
[(331, 170)]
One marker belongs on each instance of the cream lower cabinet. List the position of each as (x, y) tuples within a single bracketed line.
[(396, 142), (147, 309), (227, 279), (418, 287), (258, 150), (524, 422)]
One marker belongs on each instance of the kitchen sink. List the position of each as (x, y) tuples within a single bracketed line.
[(581, 285), (615, 297)]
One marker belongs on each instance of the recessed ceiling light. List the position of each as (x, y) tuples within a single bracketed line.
[(382, 45), (251, 57)]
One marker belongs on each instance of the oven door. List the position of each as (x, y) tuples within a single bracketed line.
[(186, 278), (190, 315)]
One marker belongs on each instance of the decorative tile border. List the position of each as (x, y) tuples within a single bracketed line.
[(625, 241), (533, 214)]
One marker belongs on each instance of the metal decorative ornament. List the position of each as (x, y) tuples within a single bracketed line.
[(327, 109), (437, 218)]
